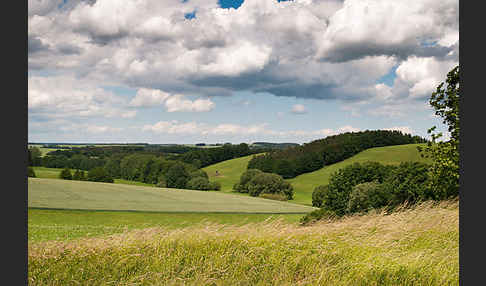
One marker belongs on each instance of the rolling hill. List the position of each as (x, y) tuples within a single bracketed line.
[(67, 194), (304, 184)]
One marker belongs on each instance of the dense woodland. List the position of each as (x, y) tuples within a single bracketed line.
[(312, 156)]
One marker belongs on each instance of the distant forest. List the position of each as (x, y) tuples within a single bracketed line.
[(293, 161), (88, 157)]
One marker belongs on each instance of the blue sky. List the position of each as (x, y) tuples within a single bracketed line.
[(235, 71)]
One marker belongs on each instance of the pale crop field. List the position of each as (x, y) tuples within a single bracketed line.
[(68, 194)]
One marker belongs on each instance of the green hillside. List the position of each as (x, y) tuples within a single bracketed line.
[(304, 184), (229, 172), (67, 194)]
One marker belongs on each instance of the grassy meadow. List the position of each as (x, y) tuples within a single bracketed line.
[(68, 194), (418, 246)]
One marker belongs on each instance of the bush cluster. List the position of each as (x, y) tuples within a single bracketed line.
[(184, 176), (203, 184), (66, 174), (257, 183), (367, 196), (341, 183), (99, 174), (79, 175), (318, 195), (361, 187)]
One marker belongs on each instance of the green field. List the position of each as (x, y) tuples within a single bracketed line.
[(418, 246), (229, 172), (67, 194), (45, 224)]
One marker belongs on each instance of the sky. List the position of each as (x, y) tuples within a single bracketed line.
[(207, 71)]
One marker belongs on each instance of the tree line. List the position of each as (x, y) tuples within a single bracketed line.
[(312, 156), (88, 157)]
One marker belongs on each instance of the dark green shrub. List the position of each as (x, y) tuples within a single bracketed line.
[(245, 178), (408, 183), (198, 173), (177, 176), (161, 183), (66, 174), (367, 196), (342, 182), (30, 172), (216, 186), (318, 195), (99, 174), (79, 175), (269, 183), (239, 188), (198, 183)]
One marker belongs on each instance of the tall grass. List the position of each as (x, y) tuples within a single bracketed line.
[(416, 246), (48, 224)]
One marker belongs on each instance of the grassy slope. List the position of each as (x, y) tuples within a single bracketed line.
[(304, 184), (414, 247), (229, 172), (66, 194), (44, 225)]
